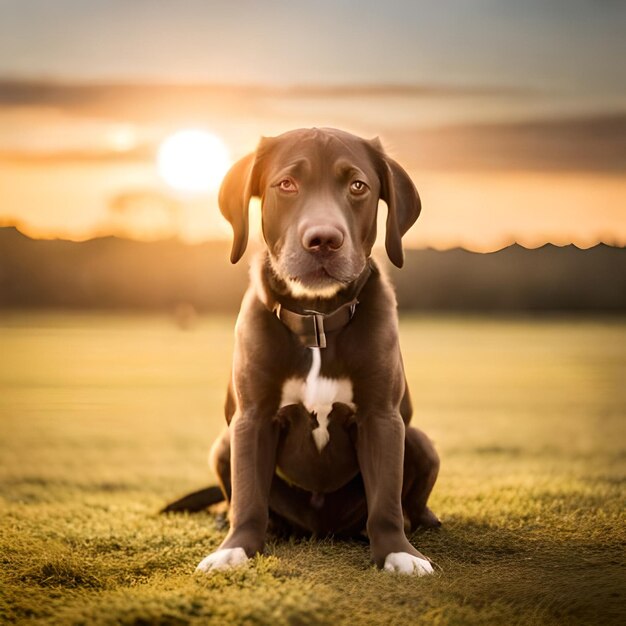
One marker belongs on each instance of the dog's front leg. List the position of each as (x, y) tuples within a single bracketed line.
[(254, 438), (380, 451)]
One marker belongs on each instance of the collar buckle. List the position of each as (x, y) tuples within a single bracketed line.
[(320, 335)]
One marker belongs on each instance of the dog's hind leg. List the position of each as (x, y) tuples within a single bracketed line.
[(421, 467)]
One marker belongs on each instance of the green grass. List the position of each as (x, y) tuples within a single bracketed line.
[(105, 418)]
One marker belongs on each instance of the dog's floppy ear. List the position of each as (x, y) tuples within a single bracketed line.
[(235, 192), (403, 203)]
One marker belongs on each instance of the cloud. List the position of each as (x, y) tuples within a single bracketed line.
[(81, 97), (592, 143)]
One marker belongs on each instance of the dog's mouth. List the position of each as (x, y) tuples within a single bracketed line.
[(315, 283), (318, 276)]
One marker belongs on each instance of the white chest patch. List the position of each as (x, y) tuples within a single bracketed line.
[(317, 394)]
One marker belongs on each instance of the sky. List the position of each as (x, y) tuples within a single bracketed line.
[(509, 116)]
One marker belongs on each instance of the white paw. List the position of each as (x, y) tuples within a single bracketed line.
[(405, 563), (222, 559)]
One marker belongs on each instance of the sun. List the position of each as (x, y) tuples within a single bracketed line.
[(193, 160)]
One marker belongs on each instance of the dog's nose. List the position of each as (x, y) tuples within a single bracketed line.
[(322, 239)]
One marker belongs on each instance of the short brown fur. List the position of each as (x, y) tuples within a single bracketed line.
[(375, 469)]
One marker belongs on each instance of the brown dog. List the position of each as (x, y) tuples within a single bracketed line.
[(318, 407)]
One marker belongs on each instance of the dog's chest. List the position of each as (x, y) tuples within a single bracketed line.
[(317, 394)]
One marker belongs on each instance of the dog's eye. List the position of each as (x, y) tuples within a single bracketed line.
[(358, 187), (287, 185)]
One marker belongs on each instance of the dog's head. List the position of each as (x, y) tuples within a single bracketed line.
[(319, 191)]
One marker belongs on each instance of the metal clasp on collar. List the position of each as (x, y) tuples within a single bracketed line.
[(320, 335)]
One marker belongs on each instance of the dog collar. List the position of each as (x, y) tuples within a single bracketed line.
[(311, 326)]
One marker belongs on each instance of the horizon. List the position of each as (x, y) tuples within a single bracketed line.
[(255, 244)]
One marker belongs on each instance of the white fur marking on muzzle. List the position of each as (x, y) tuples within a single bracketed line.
[(298, 290)]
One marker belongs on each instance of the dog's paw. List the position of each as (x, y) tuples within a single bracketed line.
[(222, 559), (405, 563)]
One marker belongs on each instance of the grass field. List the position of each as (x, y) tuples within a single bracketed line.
[(105, 418)]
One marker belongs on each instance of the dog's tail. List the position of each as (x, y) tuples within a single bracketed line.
[(196, 501)]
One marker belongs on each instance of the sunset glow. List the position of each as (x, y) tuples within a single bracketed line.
[(504, 141), (193, 161)]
